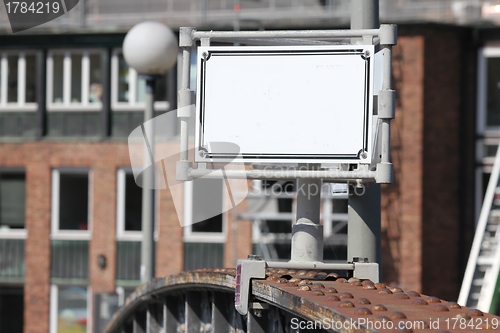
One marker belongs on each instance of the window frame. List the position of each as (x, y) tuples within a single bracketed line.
[(15, 233), (67, 105), (54, 306), (21, 105), (121, 233), (190, 236), (133, 76), (56, 233)]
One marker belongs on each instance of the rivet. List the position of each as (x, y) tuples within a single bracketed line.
[(330, 290), (321, 275), (281, 271), (333, 298), (341, 280), (384, 291), (463, 315), (317, 285), (301, 272), (355, 284), (295, 280), (395, 290), (367, 282), (362, 312), (311, 274), (397, 315), (291, 272), (364, 301), (346, 304), (369, 287), (454, 305), (345, 295), (440, 308), (282, 280), (475, 313), (274, 277), (379, 307), (332, 276), (304, 288), (379, 285), (432, 299), (317, 293), (353, 279), (412, 293), (419, 301), (292, 284), (305, 282), (402, 296)]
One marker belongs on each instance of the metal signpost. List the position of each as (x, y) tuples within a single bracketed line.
[(306, 105)]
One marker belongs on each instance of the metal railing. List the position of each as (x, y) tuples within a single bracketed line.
[(128, 261), (122, 14), (70, 260), (12, 263)]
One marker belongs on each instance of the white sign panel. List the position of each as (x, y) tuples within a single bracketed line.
[(308, 104)]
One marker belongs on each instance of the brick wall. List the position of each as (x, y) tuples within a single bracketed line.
[(103, 159), (422, 209)]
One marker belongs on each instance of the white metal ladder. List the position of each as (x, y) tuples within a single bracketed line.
[(481, 281)]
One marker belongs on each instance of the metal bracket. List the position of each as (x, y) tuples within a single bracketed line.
[(255, 268), (246, 270)]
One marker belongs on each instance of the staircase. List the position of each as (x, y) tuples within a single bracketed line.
[(480, 286)]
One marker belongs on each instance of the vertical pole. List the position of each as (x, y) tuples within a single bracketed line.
[(148, 211), (307, 232), (363, 227)]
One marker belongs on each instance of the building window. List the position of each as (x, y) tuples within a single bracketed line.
[(128, 89), (74, 80), (70, 202), (203, 218), (488, 116), (18, 74), (129, 206), (12, 201), (69, 309)]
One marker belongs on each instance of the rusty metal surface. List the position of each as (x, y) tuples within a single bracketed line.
[(347, 302), (318, 300)]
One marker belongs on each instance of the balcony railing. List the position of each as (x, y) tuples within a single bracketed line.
[(122, 14), (70, 261), (12, 260)]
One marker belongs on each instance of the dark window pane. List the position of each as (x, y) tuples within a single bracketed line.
[(12, 78), (73, 201), (57, 88), (133, 204), (11, 309), (123, 92), (30, 79), (76, 78), (95, 89), (12, 200), (493, 92)]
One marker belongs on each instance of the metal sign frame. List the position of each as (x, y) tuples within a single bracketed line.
[(380, 170)]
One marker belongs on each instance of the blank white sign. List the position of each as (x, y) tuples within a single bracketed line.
[(285, 105)]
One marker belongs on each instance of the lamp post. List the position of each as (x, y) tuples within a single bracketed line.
[(151, 49)]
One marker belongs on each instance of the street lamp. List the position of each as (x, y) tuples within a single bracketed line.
[(151, 49)]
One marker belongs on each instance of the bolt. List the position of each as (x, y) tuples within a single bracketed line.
[(364, 155), (257, 313), (367, 53), (205, 54)]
